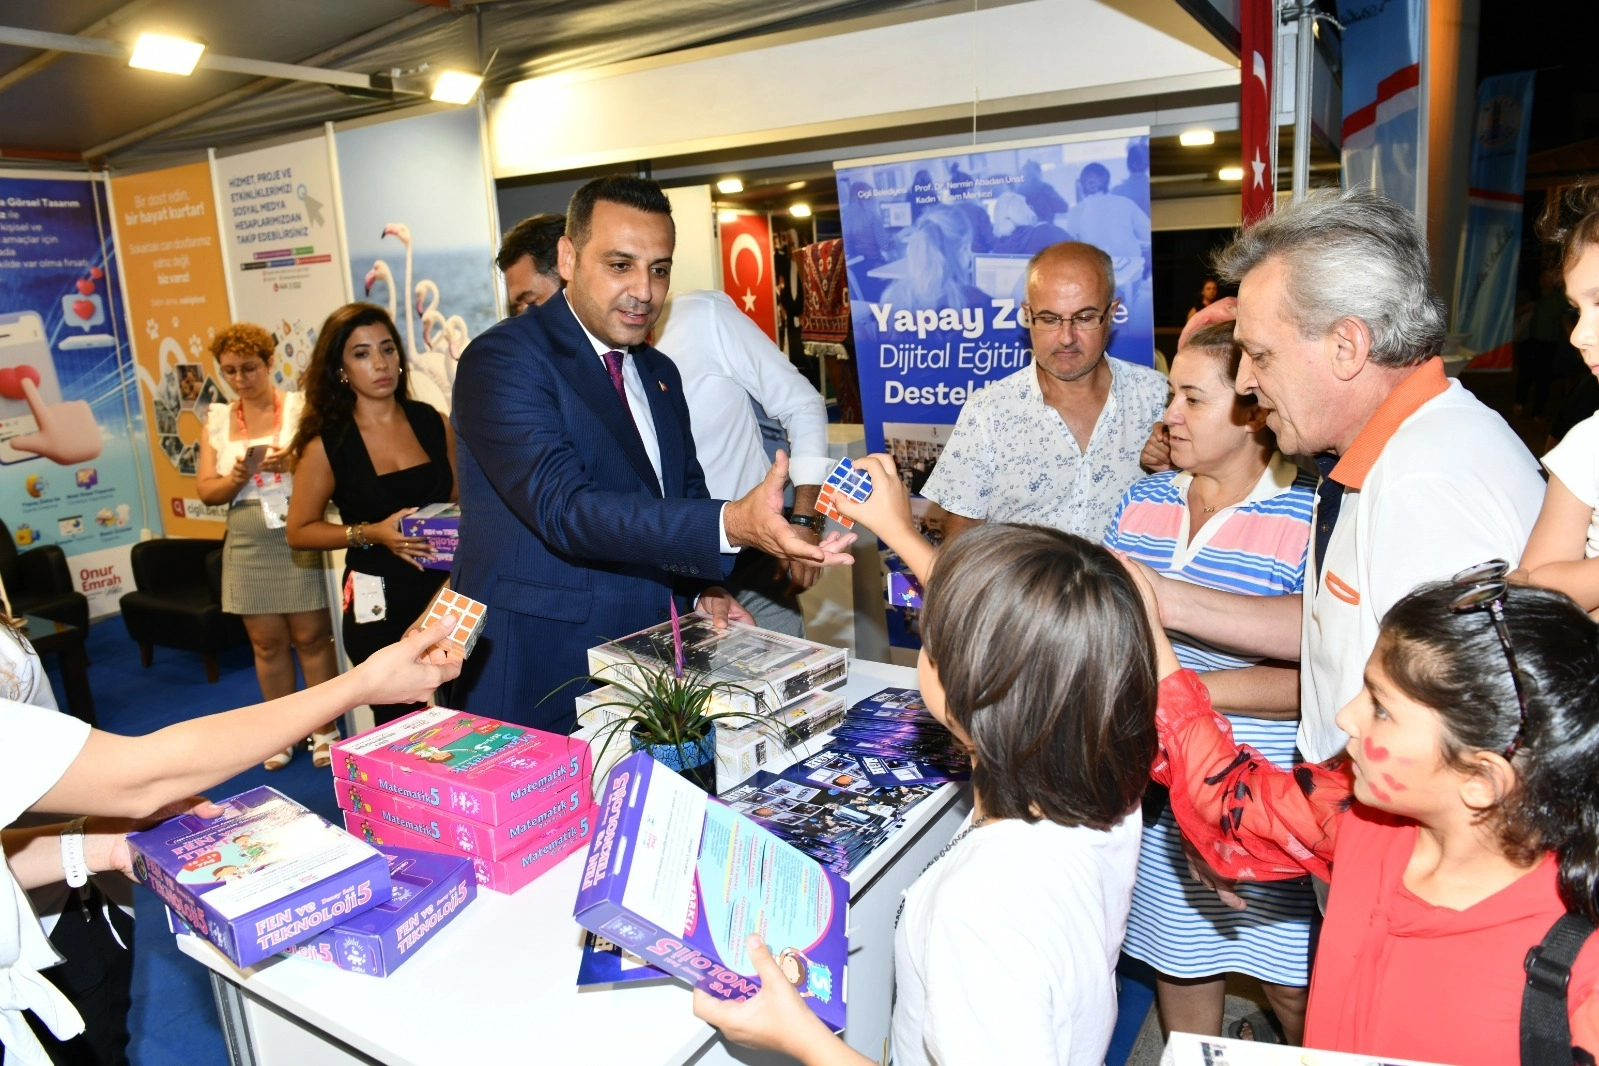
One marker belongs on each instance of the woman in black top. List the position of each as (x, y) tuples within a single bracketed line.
[(377, 455)]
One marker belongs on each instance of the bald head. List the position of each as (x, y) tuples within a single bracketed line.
[(1084, 264)]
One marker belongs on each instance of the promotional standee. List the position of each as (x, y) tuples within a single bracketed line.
[(70, 429), (936, 250), (281, 246), (420, 229), (172, 271)]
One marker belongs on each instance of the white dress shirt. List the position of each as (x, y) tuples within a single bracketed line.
[(726, 361), (638, 403)]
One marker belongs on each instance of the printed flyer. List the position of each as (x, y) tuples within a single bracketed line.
[(172, 269), (70, 429)]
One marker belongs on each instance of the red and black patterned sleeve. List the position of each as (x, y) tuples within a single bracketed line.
[(1248, 818)]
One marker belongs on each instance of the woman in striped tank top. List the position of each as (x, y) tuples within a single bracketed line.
[(1234, 515)]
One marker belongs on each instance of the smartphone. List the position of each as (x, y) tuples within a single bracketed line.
[(23, 344), (253, 456)]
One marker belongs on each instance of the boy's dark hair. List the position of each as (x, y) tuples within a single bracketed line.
[(1570, 219), (641, 194), (536, 236), (1044, 652), (1454, 664)]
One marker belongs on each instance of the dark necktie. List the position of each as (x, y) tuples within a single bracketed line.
[(613, 365)]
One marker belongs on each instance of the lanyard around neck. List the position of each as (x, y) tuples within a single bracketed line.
[(277, 418)]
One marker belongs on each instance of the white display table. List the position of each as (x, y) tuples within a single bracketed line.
[(496, 985)]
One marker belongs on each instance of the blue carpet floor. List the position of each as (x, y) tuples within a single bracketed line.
[(173, 1019)]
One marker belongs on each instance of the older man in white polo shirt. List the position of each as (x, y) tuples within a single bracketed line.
[(1340, 329), (1055, 443)]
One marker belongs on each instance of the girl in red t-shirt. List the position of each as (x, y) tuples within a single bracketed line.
[(1462, 823)]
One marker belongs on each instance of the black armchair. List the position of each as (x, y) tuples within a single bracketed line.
[(177, 601), (38, 581)]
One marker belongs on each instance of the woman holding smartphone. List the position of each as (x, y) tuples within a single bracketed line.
[(281, 593)]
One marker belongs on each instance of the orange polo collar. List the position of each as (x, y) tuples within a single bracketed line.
[(1426, 383)]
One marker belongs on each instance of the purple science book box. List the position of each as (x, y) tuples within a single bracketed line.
[(430, 889), (265, 875), (680, 880)]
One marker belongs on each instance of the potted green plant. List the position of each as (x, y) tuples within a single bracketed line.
[(671, 712)]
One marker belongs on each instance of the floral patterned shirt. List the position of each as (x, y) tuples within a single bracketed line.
[(1013, 459)]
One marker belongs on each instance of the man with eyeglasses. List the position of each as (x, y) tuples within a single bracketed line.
[(1057, 442)]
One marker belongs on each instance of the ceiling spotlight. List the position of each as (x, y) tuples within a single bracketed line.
[(726, 217), (1196, 138), (169, 55), (796, 185), (454, 87), (800, 210), (729, 186), (1231, 173)]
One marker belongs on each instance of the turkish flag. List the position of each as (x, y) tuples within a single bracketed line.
[(747, 269), (1258, 30)]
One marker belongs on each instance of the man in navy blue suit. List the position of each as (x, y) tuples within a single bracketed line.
[(583, 507)]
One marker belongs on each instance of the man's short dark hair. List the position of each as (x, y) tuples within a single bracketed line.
[(641, 194), (536, 236)]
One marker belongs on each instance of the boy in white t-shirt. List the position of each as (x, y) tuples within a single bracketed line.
[(1006, 949), (1562, 551)]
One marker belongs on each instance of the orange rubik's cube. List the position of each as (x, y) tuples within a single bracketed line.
[(469, 614)]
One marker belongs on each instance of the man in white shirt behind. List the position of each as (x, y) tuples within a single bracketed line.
[(727, 362)]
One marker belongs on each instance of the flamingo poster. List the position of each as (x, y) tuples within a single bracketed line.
[(747, 267), (419, 225), (279, 222), (172, 269)]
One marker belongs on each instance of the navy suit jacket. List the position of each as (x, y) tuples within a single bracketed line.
[(565, 532)]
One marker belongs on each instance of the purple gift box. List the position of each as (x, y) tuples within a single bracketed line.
[(440, 523), (265, 875), (681, 880)]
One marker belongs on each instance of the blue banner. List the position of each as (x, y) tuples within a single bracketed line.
[(937, 247), (71, 430), (1383, 120), (1485, 288)]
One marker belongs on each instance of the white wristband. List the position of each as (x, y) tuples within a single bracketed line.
[(72, 862)]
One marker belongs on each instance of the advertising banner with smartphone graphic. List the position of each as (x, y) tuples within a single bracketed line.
[(172, 272), (280, 242), (71, 434)]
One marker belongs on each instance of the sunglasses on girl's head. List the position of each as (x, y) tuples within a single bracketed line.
[(1483, 587)]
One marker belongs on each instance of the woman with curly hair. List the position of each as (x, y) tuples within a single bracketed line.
[(377, 455), (281, 593)]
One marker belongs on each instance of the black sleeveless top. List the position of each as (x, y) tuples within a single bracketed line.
[(363, 495)]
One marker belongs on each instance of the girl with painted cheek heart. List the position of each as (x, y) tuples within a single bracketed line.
[(1460, 825)]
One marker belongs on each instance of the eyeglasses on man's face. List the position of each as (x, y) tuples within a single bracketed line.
[(1085, 321)]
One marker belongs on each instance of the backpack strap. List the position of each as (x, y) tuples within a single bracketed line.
[(1545, 1027)]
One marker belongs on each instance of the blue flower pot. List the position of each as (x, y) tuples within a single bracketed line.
[(693, 759)]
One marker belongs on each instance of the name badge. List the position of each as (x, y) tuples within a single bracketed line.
[(368, 604)]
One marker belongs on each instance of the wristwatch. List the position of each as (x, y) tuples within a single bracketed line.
[(809, 521)]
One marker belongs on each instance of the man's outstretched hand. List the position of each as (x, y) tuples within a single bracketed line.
[(757, 521)]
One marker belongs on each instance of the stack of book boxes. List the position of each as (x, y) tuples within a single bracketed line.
[(515, 801), (784, 691)]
